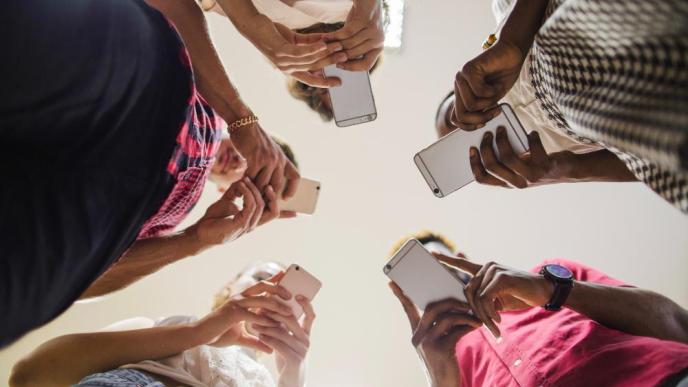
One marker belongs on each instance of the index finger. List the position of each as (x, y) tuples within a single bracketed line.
[(293, 180), (309, 314), (432, 312), (459, 263), (267, 287), (409, 308), (364, 64), (316, 80)]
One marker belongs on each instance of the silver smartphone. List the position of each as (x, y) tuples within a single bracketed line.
[(422, 277), (305, 199), (445, 165), (352, 101)]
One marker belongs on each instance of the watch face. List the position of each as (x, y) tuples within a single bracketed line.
[(559, 271)]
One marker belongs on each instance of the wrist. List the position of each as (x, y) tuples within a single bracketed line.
[(193, 335), (232, 109), (444, 376), (193, 241), (545, 289)]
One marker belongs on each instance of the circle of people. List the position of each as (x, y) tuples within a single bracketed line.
[(120, 107)]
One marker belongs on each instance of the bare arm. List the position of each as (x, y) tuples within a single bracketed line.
[(524, 22), (145, 257), (65, 360), (636, 311), (211, 78), (222, 222)]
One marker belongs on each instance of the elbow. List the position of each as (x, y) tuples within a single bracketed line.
[(20, 376), (681, 322)]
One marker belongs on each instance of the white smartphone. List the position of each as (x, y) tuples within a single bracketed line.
[(352, 101), (445, 165), (422, 277), (305, 199), (299, 282)]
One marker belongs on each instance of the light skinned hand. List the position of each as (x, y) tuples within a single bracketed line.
[(223, 326), (362, 35), (267, 163), (223, 221), (290, 342)]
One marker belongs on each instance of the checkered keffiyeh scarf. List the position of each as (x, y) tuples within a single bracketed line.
[(615, 73)]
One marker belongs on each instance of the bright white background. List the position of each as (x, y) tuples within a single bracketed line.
[(373, 195)]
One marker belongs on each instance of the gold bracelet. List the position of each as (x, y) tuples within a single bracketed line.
[(489, 41), (243, 121)]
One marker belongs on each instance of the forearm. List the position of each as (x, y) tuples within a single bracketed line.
[(65, 360), (145, 257), (603, 166), (239, 12), (212, 80), (292, 376), (523, 23), (635, 311)]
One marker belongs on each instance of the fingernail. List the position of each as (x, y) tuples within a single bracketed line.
[(501, 130), (338, 47), (300, 298), (341, 58), (474, 152), (479, 126), (488, 136)]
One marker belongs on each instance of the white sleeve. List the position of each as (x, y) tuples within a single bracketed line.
[(130, 324)]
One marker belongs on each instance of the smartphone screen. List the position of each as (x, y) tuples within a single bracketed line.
[(352, 101)]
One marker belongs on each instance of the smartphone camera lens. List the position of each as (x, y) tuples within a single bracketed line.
[(388, 267), (436, 191), (297, 268)]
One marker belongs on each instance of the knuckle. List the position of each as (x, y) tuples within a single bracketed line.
[(468, 68)]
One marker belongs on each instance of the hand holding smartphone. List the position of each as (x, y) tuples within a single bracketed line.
[(445, 165), (298, 282), (304, 200), (421, 277), (352, 101)]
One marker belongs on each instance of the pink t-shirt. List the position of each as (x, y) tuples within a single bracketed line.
[(197, 144), (565, 348)]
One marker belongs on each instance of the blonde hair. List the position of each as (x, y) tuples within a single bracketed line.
[(424, 237), (221, 297)]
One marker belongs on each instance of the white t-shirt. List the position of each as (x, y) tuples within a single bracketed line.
[(202, 366), (296, 14)]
